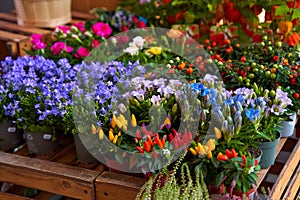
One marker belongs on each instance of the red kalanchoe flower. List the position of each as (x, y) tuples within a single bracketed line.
[(140, 24)]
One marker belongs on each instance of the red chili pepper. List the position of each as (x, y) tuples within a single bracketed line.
[(244, 159), (234, 153), (147, 146), (228, 153), (138, 135), (256, 162), (158, 141), (140, 149), (175, 132), (163, 141), (171, 137), (150, 141), (222, 157)]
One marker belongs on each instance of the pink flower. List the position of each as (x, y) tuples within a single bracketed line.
[(39, 45), (82, 52), (102, 29), (95, 43), (58, 47), (80, 26), (64, 29), (36, 38)]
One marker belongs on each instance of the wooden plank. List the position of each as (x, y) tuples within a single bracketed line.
[(7, 36), (24, 45), (294, 186), (47, 176), (8, 196), (111, 186), (8, 16), (4, 25), (286, 172), (262, 173), (82, 15)]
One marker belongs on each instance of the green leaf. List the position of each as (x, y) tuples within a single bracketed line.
[(219, 178), (210, 7), (296, 13), (282, 10)]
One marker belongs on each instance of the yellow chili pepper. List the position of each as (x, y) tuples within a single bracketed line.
[(119, 134), (113, 121), (111, 135), (133, 121), (94, 129), (193, 151), (115, 139), (218, 133), (209, 155), (211, 145), (101, 134)]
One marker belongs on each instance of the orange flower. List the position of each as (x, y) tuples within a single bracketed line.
[(292, 39), (285, 26), (174, 33)]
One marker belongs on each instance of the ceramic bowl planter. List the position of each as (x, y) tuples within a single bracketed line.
[(269, 152), (286, 128), (41, 143), (10, 136)]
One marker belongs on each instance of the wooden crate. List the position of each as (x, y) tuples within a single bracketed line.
[(61, 173), (15, 39)]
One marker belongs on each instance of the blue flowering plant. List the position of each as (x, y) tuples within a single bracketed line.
[(36, 92)]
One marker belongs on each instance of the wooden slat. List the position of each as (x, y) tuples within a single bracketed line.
[(7, 196), (7, 36), (4, 25), (8, 16), (262, 173), (294, 186), (111, 186), (286, 172), (82, 15), (47, 176)]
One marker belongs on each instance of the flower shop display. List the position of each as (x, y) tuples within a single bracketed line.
[(36, 95)]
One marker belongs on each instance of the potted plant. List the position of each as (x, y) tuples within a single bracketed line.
[(39, 99)]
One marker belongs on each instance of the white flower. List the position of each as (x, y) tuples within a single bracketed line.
[(139, 42), (251, 170), (169, 66), (132, 51), (166, 152)]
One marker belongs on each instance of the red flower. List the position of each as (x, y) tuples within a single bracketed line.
[(268, 16), (82, 52), (95, 43)]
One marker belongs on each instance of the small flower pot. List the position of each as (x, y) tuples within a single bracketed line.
[(41, 143), (250, 194), (10, 136), (269, 152), (286, 128), (83, 155), (256, 153)]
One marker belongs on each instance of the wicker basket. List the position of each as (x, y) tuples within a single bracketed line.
[(43, 13)]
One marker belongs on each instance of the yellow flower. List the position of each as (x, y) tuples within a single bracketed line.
[(285, 27), (155, 50), (111, 135), (133, 121), (94, 129), (101, 134)]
